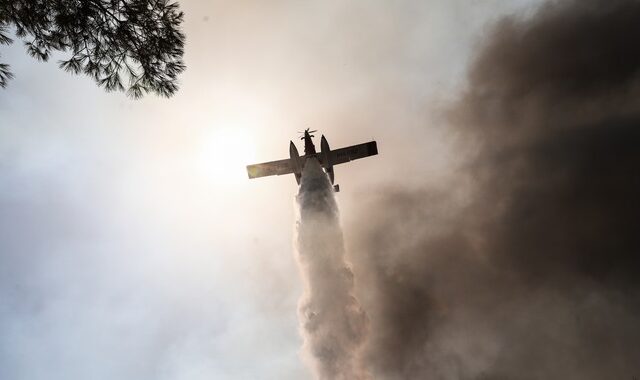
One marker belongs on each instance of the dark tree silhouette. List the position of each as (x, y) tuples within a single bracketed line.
[(127, 45)]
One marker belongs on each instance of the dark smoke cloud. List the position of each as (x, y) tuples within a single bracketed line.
[(534, 272)]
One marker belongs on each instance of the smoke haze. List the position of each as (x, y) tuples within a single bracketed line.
[(334, 325), (527, 267), (495, 239)]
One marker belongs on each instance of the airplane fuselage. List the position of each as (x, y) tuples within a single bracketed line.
[(309, 148)]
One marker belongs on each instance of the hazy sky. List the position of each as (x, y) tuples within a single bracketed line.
[(132, 246)]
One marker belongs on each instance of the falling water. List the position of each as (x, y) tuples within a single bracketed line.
[(334, 325)]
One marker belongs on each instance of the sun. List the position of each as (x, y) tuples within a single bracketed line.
[(224, 153)]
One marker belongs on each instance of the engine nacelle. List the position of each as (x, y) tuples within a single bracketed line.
[(326, 158), (295, 161)]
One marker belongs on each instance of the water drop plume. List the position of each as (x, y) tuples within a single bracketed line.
[(333, 323)]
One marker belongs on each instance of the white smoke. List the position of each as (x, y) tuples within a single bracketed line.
[(334, 324)]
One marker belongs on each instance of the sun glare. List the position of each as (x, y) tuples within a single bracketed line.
[(225, 152)]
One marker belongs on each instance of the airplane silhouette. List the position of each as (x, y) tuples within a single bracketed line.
[(328, 158)]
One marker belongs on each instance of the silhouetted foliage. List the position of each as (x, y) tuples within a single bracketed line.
[(127, 45)]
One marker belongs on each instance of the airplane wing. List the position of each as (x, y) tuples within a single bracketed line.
[(350, 153), (270, 168)]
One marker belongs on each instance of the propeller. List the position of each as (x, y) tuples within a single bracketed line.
[(307, 131)]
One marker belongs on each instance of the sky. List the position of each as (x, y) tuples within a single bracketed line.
[(133, 246)]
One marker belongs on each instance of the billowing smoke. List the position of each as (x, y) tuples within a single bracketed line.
[(333, 322), (529, 266)]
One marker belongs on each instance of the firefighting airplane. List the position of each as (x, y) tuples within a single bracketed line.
[(327, 158)]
